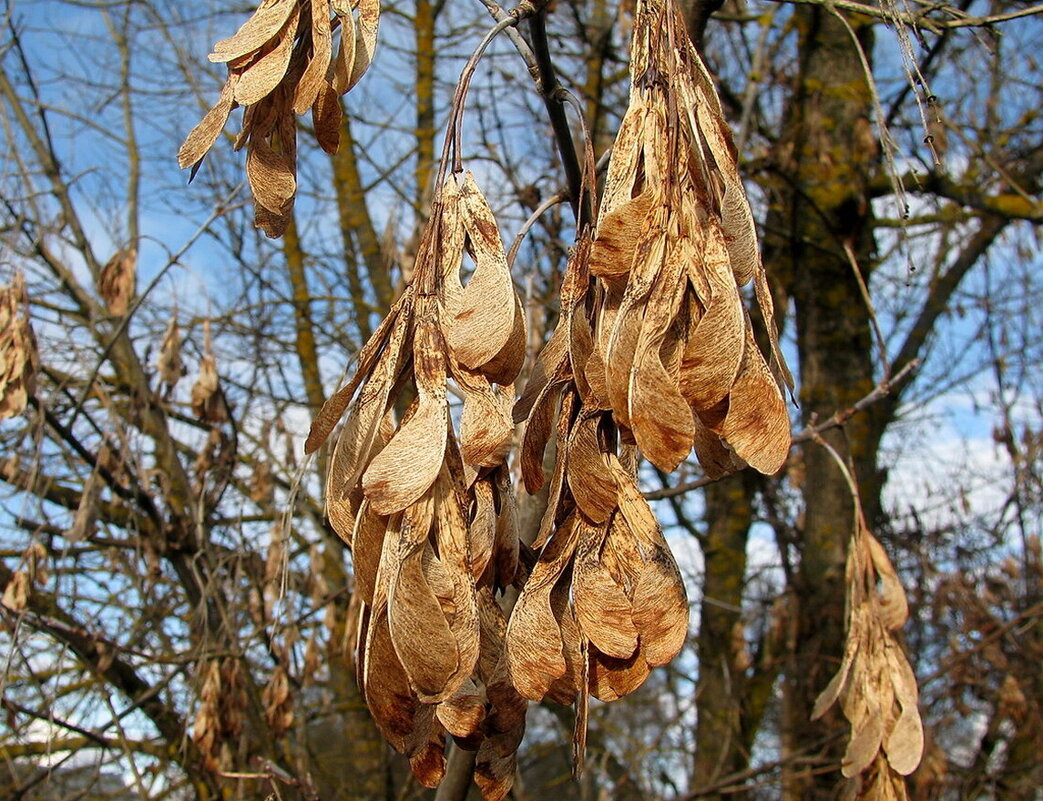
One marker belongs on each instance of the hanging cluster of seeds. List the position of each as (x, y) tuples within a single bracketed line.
[(219, 718), (281, 63), (429, 512), (654, 348), (655, 352), (675, 240), (605, 601), (18, 357), (875, 685)]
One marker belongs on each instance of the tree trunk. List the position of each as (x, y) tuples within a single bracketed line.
[(719, 747), (820, 213)]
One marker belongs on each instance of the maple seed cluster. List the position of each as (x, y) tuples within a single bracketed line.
[(875, 685), (18, 357), (117, 280), (280, 64), (429, 512), (677, 361)]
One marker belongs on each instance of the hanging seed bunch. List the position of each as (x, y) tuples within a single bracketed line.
[(117, 280), (875, 685), (219, 718), (653, 347), (429, 512), (675, 357), (605, 601), (281, 63), (18, 357)]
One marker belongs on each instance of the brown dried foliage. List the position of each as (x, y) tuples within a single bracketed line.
[(207, 399), (117, 280), (168, 362), (278, 702), (429, 511), (18, 357), (653, 348), (875, 684), (676, 360), (282, 63), (605, 602), (219, 719)]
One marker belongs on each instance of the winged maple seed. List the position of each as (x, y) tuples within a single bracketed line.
[(429, 512), (281, 63), (18, 357), (675, 354), (653, 347), (169, 364), (278, 702), (207, 399), (875, 685)]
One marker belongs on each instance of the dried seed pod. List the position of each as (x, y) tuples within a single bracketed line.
[(168, 362), (207, 399), (429, 512), (278, 702), (674, 242), (117, 280), (534, 643), (206, 729), (17, 592), (407, 466), (653, 347), (281, 64), (875, 685), (18, 357)]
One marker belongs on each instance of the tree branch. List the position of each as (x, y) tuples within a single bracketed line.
[(48, 616), (921, 19), (551, 90)]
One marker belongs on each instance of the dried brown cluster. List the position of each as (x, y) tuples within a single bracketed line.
[(605, 602), (117, 280), (18, 358), (875, 685), (219, 719), (429, 512), (654, 348), (281, 63), (676, 358)]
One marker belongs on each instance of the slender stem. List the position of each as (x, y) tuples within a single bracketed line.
[(551, 90), (458, 773), (553, 200), (452, 134)]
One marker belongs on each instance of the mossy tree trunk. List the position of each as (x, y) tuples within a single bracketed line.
[(820, 222)]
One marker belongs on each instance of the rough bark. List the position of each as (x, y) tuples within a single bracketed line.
[(719, 741), (820, 206)]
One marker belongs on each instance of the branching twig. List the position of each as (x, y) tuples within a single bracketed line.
[(921, 20)]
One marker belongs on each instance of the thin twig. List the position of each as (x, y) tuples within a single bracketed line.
[(551, 90), (882, 390), (921, 20), (220, 209), (553, 200), (862, 288)]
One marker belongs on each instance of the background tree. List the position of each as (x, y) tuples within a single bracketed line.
[(177, 611)]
